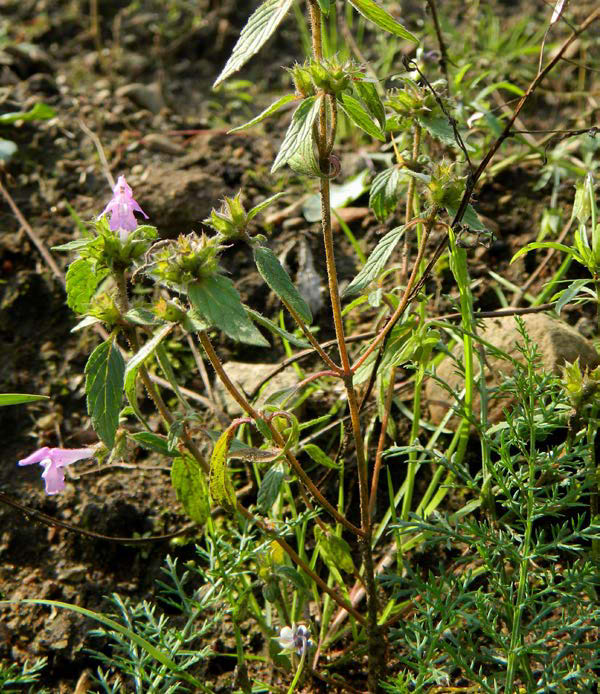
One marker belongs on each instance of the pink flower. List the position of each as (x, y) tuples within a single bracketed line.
[(53, 460), (121, 208)]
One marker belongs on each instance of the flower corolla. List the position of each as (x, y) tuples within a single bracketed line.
[(53, 460), (295, 638), (121, 208)]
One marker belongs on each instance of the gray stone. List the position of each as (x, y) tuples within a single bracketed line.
[(146, 96), (557, 344), (247, 377)]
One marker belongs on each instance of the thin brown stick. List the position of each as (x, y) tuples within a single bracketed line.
[(441, 43), (34, 238), (49, 520)]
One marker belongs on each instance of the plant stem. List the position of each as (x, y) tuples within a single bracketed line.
[(325, 144), (247, 407)]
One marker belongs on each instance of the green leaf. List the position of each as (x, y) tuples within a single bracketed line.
[(81, 284), (304, 161), (270, 487), (255, 34), (190, 488), (152, 442), (134, 364), (470, 217), (218, 302), (383, 197), (7, 150), (299, 132), (279, 281), (38, 112), (439, 128), (220, 486), (543, 244), (320, 456), (273, 108), (73, 245), (357, 114), (293, 576), (104, 376), (371, 11), (376, 262), (370, 97), (141, 316), (130, 635), (324, 5), (275, 329), (85, 323), (19, 398), (257, 209)]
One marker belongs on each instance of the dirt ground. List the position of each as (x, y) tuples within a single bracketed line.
[(141, 84)]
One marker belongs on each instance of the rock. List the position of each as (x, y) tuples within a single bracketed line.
[(557, 344), (146, 96), (178, 200), (160, 143), (247, 377)]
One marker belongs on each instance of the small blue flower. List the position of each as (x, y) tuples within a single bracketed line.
[(295, 638)]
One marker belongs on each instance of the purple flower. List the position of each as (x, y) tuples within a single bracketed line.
[(53, 460), (121, 208)]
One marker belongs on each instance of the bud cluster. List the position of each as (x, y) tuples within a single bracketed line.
[(186, 259), (330, 75)]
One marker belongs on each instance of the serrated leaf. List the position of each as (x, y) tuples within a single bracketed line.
[(357, 114), (220, 486), (371, 11), (279, 281), (383, 197), (104, 371), (370, 96), (304, 161), (190, 488), (299, 132), (82, 281), (470, 217), (218, 302), (19, 398), (376, 262), (260, 27), (134, 364), (257, 209), (439, 128), (275, 329), (273, 108), (37, 112), (320, 456), (270, 487), (152, 442)]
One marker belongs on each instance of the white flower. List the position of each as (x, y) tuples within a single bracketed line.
[(295, 638)]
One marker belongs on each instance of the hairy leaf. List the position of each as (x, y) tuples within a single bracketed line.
[(152, 442), (190, 488), (81, 284), (383, 197), (299, 132), (276, 330), (470, 217), (104, 375), (270, 487), (320, 457), (357, 114), (255, 34), (279, 281), (273, 108), (220, 486), (371, 11), (376, 262), (218, 302), (370, 96)]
